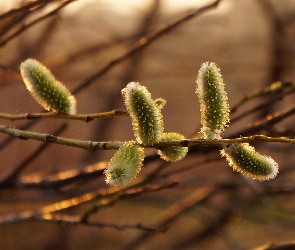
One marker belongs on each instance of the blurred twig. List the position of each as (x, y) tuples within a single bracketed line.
[(176, 210), (279, 89), (13, 176), (24, 8), (144, 42), (103, 198), (282, 246), (24, 27)]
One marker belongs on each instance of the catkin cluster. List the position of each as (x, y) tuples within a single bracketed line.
[(215, 118), (148, 125)]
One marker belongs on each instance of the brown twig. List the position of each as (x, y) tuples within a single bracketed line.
[(25, 7), (176, 210), (13, 176), (81, 117), (27, 26), (143, 43)]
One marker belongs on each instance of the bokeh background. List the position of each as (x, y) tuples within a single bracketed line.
[(252, 41)]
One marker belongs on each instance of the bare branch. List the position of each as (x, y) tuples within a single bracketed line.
[(27, 26), (175, 210), (66, 219), (94, 145), (81, 117), (12, 177), (144, 42)]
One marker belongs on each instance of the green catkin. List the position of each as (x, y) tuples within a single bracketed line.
[(125, 164), (213, 101), (146, 115), (173, 153), (244, 159), (47, 91)]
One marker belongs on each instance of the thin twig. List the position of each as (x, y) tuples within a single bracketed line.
[(94, 145), (81, 117), (282, 246), (274, 88), (144, 42), (278, 91), (66, 219), (87, 145), (27, 26), (77, 220), (267, 122), (12, 177), (175, 210), (103, 198), (24, 7), (59, 179)]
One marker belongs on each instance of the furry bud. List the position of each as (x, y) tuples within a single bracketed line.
[(146, 116), (125, 164), (213, 101), (244, 159), (173, 153), (47, 91)]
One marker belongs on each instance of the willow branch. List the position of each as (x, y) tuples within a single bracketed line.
[(95, 145), (81, 117), (87, 145)]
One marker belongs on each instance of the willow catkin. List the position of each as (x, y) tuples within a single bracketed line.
[(125, 164), (244, 159), (213, 101), (146, 115), (47, 91)]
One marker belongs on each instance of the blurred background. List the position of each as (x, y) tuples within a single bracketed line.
[(86, 45)]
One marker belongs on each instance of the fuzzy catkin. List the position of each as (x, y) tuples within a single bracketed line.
[(244, 159), (146, 115), (125, 164), (213, 101), (173, 153), (47, 91)]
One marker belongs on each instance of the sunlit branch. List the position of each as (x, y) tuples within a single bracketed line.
[(12, 178), (81, 117), (87, 145), (58, 179), (66, 219), (95, 145), (77, 220), (103, 198), (176, 210)]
